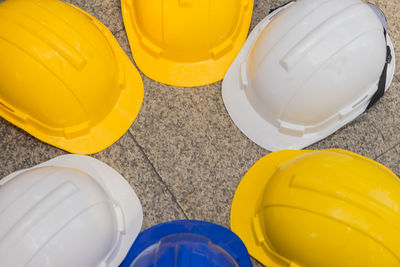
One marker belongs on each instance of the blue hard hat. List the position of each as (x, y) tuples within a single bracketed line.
[(187, 244)]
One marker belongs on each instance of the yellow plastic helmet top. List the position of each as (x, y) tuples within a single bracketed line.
[(63, 77), (319, 208), (186, 42)]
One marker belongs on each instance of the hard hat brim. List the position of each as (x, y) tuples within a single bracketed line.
[(183, 74), (256, 128), (216, 233), (247, 200), (116, 187), (100, 136)]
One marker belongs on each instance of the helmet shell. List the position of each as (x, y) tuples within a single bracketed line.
[(307, 70), (187, 244), (344, 208), (186, 42), (63, 77), (70, 211)]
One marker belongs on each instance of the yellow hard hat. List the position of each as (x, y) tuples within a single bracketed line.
[(319, 208), (63, 76), (186, 42)]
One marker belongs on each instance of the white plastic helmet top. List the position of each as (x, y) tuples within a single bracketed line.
[(305, 71), (70, 211)]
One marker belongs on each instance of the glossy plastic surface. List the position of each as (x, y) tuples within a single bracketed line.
[(305, 71), (319, 208), (187, 244), (70, 211), (186, 42), (63, 77)]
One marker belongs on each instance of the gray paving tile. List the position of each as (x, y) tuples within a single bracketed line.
[(198, 154), (159, 205), (256, 263), (359, 137), (126, 156), (385, 117), (197, 150), (391, 159), (374, 133), (175, 123), (19, 150)]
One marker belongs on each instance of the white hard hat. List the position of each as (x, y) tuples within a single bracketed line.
[(70, 211), (308, 69)]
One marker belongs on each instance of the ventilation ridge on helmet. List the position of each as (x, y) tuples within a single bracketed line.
[(342, 193), (228, 44), (39, 210), (42, 32), (218, 51), (343, 112), (58, 228), (304, 46), (373, 236), (69, 27), (291, 28), (22, 191), (44, 65), (262, 241), (6, 107)]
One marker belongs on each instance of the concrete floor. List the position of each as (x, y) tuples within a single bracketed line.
[(183, 155)]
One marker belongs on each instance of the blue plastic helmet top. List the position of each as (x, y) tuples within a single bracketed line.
[(187, 244)]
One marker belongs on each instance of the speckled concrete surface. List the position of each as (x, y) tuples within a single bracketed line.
[(183, 155), (391, 159), (201, 155), (375, 132), (20, 151)]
